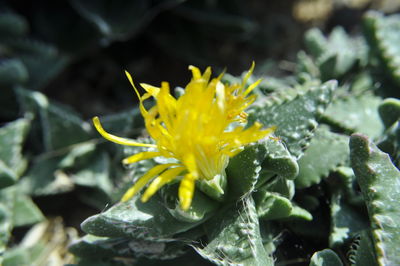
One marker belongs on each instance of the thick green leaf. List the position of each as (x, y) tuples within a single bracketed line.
[(46, 178), (148, 220), (362, 252), (7, 199), (346, 221), (12, 24), (234, 237), (315, 42), (102, 247), (17, 256), (306, 68), (59, 126), (271, 206), (25, 211), (200, 209), (95, 173), (327, 150), (297, 117), (243, 170), (12, 164), (279, 161), (390, 142), (356, 114), (325, 257), (300, 213), (337, 54), (94, 246), (379, 181), (214, 188), (80, 164), (7, 175), (389, 111), (385, 37), (280, 185), (12, 71)]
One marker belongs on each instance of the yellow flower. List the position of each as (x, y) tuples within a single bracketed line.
[(201, 130)]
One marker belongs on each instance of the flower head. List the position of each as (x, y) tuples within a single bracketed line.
[(201, 129)]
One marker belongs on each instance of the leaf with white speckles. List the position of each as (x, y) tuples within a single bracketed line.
[(297, 117), (91, 246), (234, 237), (356, 114), (379, 181), (346, 221), (136, 219), (243, 170), (327, 150), (12, 164), (384, 33)]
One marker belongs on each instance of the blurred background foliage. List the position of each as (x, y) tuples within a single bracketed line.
[(62, 62)]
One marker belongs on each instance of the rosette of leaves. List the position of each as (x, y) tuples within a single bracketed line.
[(306, 184), (239, 229), (306, 178)]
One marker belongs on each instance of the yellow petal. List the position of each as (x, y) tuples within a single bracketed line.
[(190, 163), (144, 180), (195, 72), (248, 74), (150, 89), (141, 156), (252, 87), (207, 74), (141, 106), (160, 181), (118, 140), (220, 95), (186, 191)]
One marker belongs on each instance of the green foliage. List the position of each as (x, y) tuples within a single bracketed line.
[(362, 251), (302, 185), (389, 111), (336, 55), (315, 165), (12, 164), (243, 176), (325, 257), (364, 116), (346, 221), (110, 21), (383, 35), (295, 116), (12, 24), (379, 183), (234, 237)]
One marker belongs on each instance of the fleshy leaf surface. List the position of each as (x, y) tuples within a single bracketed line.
[(234, 237), (133, 218), (327, 150), (295, 118), (379, 181), (325, 257)]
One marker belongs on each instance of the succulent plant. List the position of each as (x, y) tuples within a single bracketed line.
[(322, 190)]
